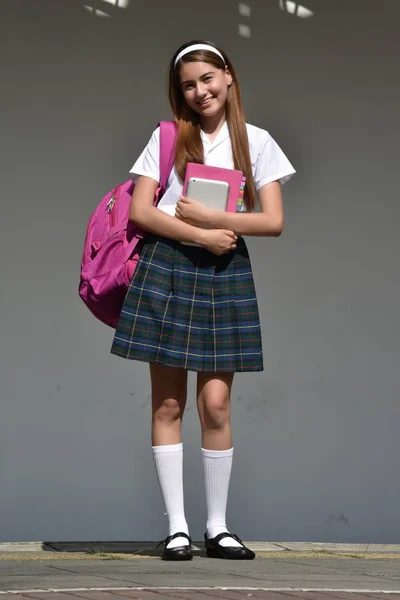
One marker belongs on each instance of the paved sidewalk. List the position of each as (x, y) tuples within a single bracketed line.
[(304, 571), (108, 579)]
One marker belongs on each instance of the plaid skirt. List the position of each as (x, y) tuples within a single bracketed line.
[(188, 308)]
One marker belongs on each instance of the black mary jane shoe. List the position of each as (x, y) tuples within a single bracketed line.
[(178, 553), (215, 550)]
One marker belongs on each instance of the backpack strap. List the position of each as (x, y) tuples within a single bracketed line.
[(168, 134)]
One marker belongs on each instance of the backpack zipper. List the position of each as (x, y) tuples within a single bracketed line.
[(110, 206), (111, 202)]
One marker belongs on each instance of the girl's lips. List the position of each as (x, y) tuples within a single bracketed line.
[(206, 102)]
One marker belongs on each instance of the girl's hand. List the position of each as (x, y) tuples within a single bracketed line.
[(219, 241), (193, 212)]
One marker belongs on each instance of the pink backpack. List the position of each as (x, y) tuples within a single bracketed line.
[(113, 244)]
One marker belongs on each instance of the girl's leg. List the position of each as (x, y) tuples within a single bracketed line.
[(213, 403), (168, 388)]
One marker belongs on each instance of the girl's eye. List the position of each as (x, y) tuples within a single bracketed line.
[(207, 79)]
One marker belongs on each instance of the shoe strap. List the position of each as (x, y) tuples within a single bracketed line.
[(226, 534), (173, 537)]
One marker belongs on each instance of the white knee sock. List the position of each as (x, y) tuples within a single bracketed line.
[(169, 464), (217, 470)]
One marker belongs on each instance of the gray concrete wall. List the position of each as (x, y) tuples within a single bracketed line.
[(316, 434)]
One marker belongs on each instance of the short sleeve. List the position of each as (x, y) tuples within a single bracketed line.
[(148, 163), (271, 164)]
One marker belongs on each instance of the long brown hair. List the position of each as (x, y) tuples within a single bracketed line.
[(189, 147)]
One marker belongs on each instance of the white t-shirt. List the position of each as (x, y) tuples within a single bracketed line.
[(268, 161)]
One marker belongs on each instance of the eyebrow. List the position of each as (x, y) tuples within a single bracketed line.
[(204, 75)]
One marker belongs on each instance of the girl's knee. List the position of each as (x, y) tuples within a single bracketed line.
[(214, 400), (216, 413), (168, 393), (168, 411)]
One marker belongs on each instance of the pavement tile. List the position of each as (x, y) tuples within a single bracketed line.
[(270, 595), (310, 595), (49, 596), (225, 594), (222, 594), (306, 595), (189, 595), (346, 596), (145, 594), (358, 596), (184, 594), (152, 595), (97, 595), (317, 595), (255, 594), (325, 595), (303, 596), (119, 595), (382, 596), (204, 596)]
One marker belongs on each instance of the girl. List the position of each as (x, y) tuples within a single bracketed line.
[(194, 307)]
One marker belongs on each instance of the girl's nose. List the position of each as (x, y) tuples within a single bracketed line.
[(200, 89)]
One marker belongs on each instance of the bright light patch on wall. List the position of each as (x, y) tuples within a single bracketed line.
[(101, 13), (244, 30), (98, 13), (119, 3), (244, 10), (295, 8)]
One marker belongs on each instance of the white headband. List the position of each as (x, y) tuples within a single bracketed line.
[(198, 47)]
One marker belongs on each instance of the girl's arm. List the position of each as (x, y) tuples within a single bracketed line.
[(148, 217), (269, 222)]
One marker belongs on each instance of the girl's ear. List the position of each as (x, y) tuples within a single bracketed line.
[(228, 77)]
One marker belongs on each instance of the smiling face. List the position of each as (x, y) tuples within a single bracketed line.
[(205, 88)]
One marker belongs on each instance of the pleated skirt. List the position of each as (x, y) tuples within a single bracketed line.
[(188, 308)]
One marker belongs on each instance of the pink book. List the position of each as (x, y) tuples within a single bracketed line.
[(234, 177)]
